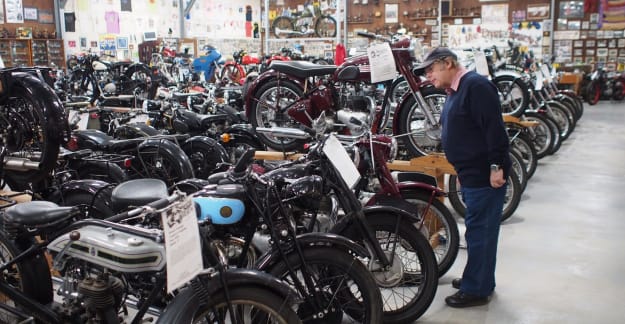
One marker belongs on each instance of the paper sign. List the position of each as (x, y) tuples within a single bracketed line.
[(337, 154), (381, 62), (481, 66), (539, 81), (546, 73), (182, 243)]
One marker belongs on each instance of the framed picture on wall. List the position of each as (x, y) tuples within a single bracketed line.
[(621, 43), (613, 52), (589, 59), (590, 52), (621, 52), (602, 52), (578, 52), (122, 42), (590, 43), (602, 43), (571, 9), (574, 25), (578, 43), (583, 34), (612, 43), (538, 11), (446, 8), (391, 13), (578, 60), (562, 24), (585, 24)]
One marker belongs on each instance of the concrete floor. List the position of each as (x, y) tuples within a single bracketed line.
[(561, 256)]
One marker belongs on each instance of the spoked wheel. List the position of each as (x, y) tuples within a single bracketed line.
[(246, 305), (267, 111), (565, 120), (513, 94), (31, 129), (519, 168), (439, 227), (521, 143), (420, 136), (511, 201), (282, 23), (398, 89), (325, 27), (30, 276), (231, 73), (409, 284), (543, 136), (344, 289), (207, 157), (593, 93)]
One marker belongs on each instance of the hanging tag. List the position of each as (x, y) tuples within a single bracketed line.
[(338, 156), (381, 62), (539, 81), (481, 65), (182, 243)]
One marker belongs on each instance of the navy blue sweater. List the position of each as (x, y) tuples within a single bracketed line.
[(473, 135)]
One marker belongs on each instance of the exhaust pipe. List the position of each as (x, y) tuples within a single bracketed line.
[(20, 164)]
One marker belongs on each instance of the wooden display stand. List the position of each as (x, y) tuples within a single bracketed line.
[(571, 79)]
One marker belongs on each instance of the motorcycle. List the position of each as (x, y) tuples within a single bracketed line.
[(604, 85), (94, 287), (222, 127), (294, 93), (207, 64)]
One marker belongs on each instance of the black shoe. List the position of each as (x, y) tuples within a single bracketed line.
[(456, 283), (461, 299)]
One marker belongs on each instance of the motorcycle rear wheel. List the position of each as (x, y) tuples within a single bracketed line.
[(543, 136), (160, 164), (325, 27), (511, 202), (282, 23)]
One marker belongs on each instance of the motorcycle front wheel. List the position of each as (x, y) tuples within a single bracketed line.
[(266, 111), (345, 288), (420, 137), (513, 94), (511, 202), (282, 23), (325, 27), (251, 305)]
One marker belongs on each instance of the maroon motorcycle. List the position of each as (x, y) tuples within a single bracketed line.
[(292, 94)]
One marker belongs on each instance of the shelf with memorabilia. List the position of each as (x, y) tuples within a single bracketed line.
[(15, 52)]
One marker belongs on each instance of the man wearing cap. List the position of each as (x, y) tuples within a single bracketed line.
[(476, 144)]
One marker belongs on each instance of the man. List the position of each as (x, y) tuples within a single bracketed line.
[(476, 144)]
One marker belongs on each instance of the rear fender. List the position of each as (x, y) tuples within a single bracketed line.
[(219, 150), (182, 160), (90, 187)]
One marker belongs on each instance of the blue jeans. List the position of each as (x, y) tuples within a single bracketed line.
[(482, 219)]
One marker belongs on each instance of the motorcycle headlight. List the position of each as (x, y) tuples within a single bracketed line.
[(393, 150)]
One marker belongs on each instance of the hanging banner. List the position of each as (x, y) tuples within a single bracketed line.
[(14, 11)]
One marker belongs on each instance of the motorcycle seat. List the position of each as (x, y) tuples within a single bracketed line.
[(99, 141), (302, 69), (37, 213), (137, 192)]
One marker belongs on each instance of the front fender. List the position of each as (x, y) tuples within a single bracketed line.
[(310, 240), (216, 147), (181, 160), (183, 307)]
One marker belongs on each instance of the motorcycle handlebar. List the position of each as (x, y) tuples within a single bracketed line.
[(158, 204)]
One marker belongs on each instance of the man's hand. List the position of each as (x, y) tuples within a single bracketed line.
[(496, 179)]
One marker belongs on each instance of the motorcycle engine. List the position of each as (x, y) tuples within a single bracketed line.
[(358, 108)]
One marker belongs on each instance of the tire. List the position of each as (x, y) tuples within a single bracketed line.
[(555, 128), (522, 144), (513, 94), (160, 163), (544, 137), (104, 171), (325, 27), (412, 119), (99, 208), (264, 302), (593, 93), (284, 23), (232, 73), (345, 267), (263, 112), (206, 158), (571, 104), (519, 168), (31, 276), (28, 125), (444, 238), (420, 268), (564, 118), (399, 87), (511, 202), (618, 92), (237, 146)]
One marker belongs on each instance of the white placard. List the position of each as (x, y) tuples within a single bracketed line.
[(539, 81), (381, 62), (337, 154), (83, 120), (182, 243), (481, 65), (546, 73)]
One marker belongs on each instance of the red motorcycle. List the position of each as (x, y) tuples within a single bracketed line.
[(291, 94)]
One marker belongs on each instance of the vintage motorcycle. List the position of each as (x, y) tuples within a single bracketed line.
[(95, 286), (294, 93), (605, 85)]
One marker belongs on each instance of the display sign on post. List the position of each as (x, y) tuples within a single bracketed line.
[(381, 62)]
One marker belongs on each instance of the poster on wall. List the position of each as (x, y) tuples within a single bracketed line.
[(495, 16), (46, 17), (391, 13), (14, 11), (30, 14), (538, 11), (108, 42)]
